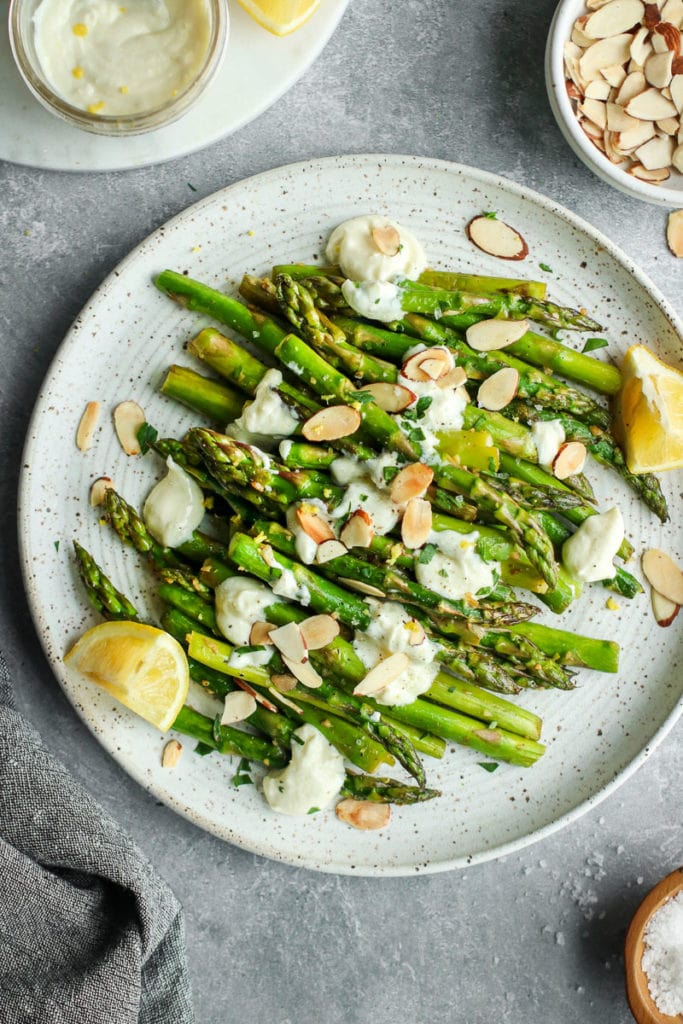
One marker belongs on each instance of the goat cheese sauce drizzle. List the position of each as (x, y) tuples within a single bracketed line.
[(266, 419), (174, 507), (588, 553), (311, 780), (116, 58), (352, 247), (391, 631)]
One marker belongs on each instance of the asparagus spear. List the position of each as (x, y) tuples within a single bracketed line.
[(212, 399), (454, 281), (102, 594)]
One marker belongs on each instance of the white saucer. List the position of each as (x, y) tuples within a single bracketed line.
[(257, 70)]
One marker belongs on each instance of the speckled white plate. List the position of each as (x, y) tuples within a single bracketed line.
[(119, 347), (257, 70)]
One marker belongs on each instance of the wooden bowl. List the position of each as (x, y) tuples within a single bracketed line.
[(642, 1005)]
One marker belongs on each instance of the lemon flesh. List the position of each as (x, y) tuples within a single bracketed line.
[(649, 416), (142, 667), (280, 16)]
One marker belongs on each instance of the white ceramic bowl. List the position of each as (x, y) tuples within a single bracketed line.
[(669, 193)]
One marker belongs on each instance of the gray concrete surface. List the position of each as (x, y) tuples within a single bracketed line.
[(536, 937)]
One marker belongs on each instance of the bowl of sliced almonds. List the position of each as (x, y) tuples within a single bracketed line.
[(614, 74)]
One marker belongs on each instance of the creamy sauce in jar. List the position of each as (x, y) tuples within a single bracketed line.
[(120, 57)]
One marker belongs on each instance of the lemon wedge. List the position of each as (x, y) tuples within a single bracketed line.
[(143, 667), (280, 16), (649, 416)]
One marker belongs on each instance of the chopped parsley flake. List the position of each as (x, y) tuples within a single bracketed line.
[(593, 343), (488, 766), (544, 266), (427, 553), (490, 214), (56, 544), (146, 435)]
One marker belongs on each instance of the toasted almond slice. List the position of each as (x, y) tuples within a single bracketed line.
[(358, 530), (570, 459), (319, 631), (282, 682), (259, 634), (658, 69), (453, 379), (663, 574), (654, 177), (362, 588), (632, 86), (677, 66), (99, 488), (673, 11), (572, 51), (268, 556), (416, 633), (595, 5), (411, 482), (328, 550), (579, 37), (290, 642), (313, 524), (87, 426), (499, 389), (651, 16), (669, 125), (671, 36), (665, 611), (615, 17), (390, 397), (572, 71), (599, 89), (416, 524), (128, 418), (487, 335), (611, 150), (363, 814), (614, 75), (674, 231), (258, 697), (171, 754), (383, 673), (572, 90), (414, 369), (304, 672), (278, 694), (238, 705), (497, 238), (592, 130), (641, 47), (618, 120), (387, 240), (656, 153), (613, 50), (650, 106), (629, 140), (676, 87), (331, 423)]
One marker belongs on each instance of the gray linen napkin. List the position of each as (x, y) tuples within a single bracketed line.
[(88, 932)]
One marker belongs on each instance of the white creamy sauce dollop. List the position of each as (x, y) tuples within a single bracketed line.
[(306, 547), (174, 507), (588, 553), (548, 437), (375, 300), (455, 569), (390, 632), (362, 492), (257, 658), (311, 780), (445, 411), (116, 58), (351, 245), (266, 419), (240, 602)]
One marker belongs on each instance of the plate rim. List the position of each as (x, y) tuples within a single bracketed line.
[(25, 479)]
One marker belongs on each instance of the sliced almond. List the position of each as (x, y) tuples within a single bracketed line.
[(595, 5), (676, 87), (570, 459), (361, 587), (629, 140), (238, 706), (673, 11), (87, 426), (578, 35), (328, 550), (632, 86), (416, 524), (654, 177), (438, 359), (572, 70), (453, 379), (313, 524), (358, 530), (304, 672), (615, 17), (497, 238), (99, 488), (283, 683), (663, 574), (677, 66), (599, 89), (611, 151), (278, 694), (290, 642), (499, 389), (363, 814), (387, 240), (385, 672), (670, 34), (614, 50), (674, 232), (651, 16), (416, 633), (319, 631), (641, 47), (658, 69), (669, 125), (650, 106), (171, 754), (665, 611), (618, 120), (572, 90), (614, 75), (331, 423), (128, 418), (411, 482), (258, 697), (390, 397), (488, 335), (656, 153), (259, 634)]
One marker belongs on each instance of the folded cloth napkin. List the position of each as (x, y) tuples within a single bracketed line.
[(88, 932)]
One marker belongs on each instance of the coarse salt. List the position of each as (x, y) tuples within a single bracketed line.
[(663, 956)]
